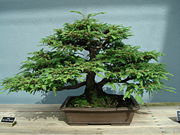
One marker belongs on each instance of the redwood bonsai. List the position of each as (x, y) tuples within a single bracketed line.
[(79, 52)]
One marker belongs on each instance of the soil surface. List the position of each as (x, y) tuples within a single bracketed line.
[(107, 100)]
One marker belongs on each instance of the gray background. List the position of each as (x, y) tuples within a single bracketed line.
[(155, 25)]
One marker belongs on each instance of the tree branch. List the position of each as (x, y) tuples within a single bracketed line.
[(72, 87), (105, 80), (127, 79)]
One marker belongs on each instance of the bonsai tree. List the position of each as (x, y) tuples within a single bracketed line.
[(75, 54)]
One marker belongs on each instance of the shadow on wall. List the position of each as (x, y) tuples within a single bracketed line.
[(172, 51), (50, 98)]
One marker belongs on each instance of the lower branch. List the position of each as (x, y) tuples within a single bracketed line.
[(127, 79), (105, 80), (72, 87)]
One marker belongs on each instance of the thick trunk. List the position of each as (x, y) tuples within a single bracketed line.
[(93, 93), (90, 85), (92, 90)]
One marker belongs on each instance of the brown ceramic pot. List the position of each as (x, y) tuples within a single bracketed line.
[(96, 116)]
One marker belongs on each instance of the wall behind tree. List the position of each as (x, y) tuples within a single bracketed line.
[(23, 23)]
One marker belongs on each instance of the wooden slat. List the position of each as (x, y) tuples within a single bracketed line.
[(29, 107)]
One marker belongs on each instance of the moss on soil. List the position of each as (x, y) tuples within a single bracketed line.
[(107, 101)]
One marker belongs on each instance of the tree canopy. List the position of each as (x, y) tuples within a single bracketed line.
[(87, 48)]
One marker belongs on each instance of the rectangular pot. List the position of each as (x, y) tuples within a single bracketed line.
[(95, 116)]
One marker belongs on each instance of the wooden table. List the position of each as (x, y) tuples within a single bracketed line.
[(46, 119)]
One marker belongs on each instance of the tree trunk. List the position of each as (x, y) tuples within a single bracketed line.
[(93, 93), (92, 90), (90, 86)]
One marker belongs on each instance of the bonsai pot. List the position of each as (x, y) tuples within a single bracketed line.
[(98, 116)]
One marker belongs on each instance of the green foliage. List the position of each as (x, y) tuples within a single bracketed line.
[(64, 63)]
